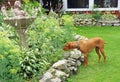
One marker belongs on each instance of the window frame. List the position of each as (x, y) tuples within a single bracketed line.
[(91, 7)]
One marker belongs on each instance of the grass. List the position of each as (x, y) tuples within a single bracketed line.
[(99, 72)]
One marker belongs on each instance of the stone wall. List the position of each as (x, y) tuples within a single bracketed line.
[(84, 22), (65, 67), (91, 22)]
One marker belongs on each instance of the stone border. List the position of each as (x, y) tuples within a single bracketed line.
[(65, 67), (91, 22), (84, 22)]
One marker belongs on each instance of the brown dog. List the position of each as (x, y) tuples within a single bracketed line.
[(85, 46)]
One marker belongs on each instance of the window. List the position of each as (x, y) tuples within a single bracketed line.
[(105, 3), (89, 5), (78, 3)]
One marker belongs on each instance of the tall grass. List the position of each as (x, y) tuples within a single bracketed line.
[(99, 72)]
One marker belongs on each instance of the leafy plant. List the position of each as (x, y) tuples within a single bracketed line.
[(32, 8), (108, 16), (45, 40), (83, 16), (97, 15), (31, 64), (1, 18), (9, 60), (48, 36)]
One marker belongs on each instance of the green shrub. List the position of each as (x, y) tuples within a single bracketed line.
[(1, 18), (83, 16), (45, 39), (9, 59), (32, 63), (108, 16), (32, 8), (47, 36), (96, 15)]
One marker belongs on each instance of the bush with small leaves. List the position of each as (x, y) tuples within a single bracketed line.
[(9, 59)]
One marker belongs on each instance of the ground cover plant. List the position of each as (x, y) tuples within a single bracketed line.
[(45, 39), (99, 72), (9, 58)]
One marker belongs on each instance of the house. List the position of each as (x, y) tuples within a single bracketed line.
[(87, 6), (91, 5)]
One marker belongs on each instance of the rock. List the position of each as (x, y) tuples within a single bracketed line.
[(71, 63), (76, 37), (71, 59), (52, 70), (78, 63), (56, 79), (61, 74), (66, 55), (82, 58), (83, 38), (75, 54), (77, 51), (46, 77), (61, 64), (73, 69)]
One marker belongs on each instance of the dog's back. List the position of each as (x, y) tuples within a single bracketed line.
[(89, 44)]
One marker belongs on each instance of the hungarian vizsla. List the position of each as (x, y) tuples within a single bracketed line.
[(85, 46)]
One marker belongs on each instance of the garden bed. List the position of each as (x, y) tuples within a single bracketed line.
[(106, 19), (109, 23)]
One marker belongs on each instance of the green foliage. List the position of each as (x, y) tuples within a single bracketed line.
[(32, 63), (9, 61), (97, 15), (108, 16), (48, 36), (83, 16), (32, 8), (53, 14), (1, 18), (45, 40)]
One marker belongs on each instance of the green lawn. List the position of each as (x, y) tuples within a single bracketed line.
[(99, 72)]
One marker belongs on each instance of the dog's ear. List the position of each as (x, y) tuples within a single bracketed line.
[(69, 45)]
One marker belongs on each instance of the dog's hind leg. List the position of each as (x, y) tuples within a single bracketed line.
[(103, 54), (98, 53)]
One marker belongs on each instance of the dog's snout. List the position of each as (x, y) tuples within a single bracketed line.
[(65, 48)]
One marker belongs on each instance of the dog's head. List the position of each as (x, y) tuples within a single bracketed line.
[(69, 45)]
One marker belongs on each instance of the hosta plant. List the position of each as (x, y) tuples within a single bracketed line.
[(31, 64)]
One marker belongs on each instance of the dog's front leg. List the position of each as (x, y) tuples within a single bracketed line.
[(85, 59)]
